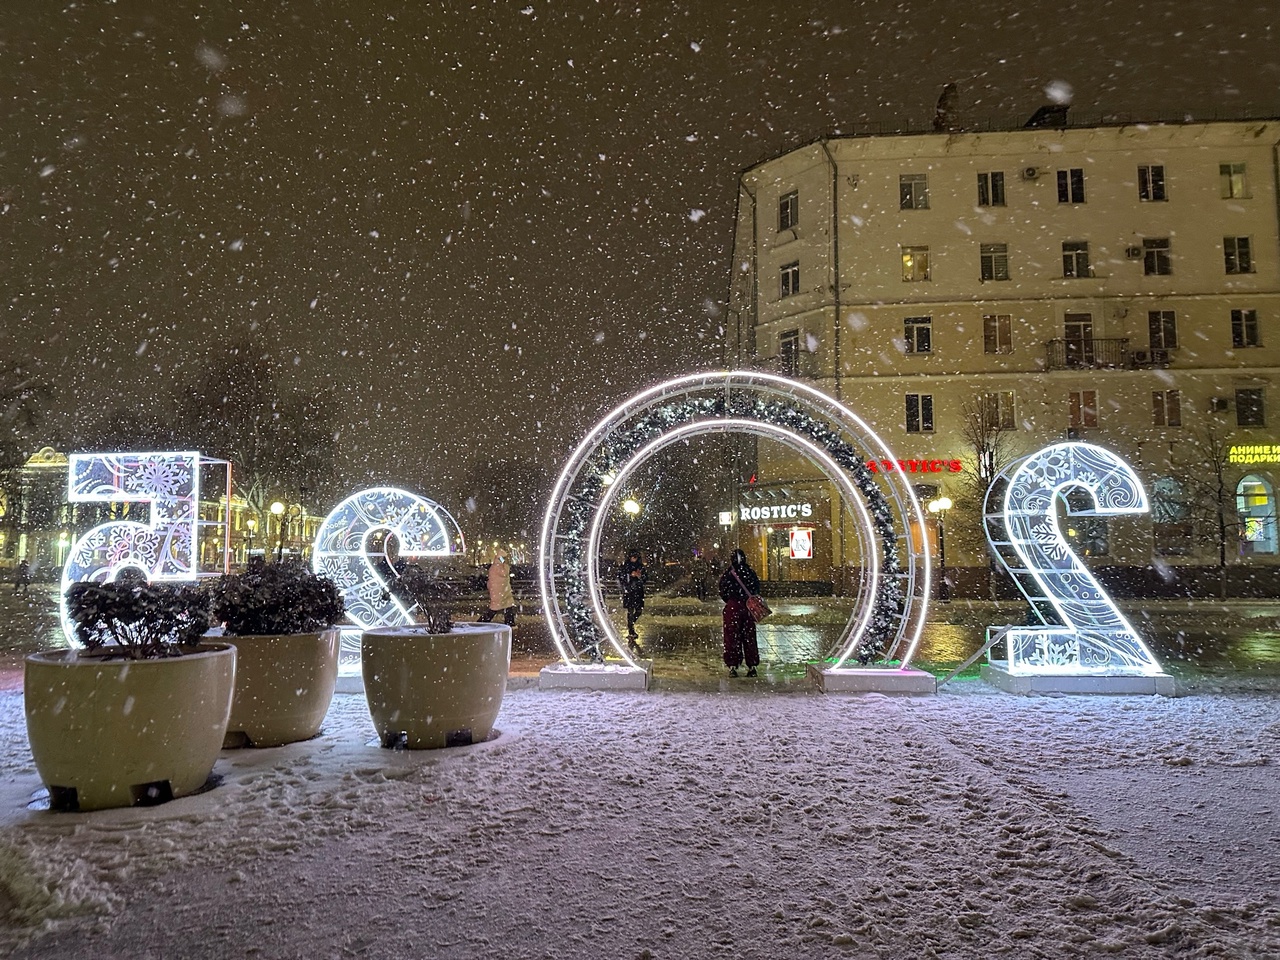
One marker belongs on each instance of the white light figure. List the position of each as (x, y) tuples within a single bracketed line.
[(163, 548), (1091, 635), (341, 553), (804, 401)]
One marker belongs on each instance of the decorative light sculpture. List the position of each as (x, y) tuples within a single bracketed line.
[(163, 548), (891, 600), (341, 553), (1084, 632)]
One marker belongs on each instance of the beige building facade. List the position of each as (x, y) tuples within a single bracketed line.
[(976, 296)]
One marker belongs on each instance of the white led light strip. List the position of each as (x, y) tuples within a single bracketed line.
[(851, 428)]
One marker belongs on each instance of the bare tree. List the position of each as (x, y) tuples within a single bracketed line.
[(991, 445)]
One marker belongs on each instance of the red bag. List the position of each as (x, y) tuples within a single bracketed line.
[(758, 608)]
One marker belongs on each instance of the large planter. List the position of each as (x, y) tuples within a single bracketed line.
[(429, 690), (284, 685), (118, 732)]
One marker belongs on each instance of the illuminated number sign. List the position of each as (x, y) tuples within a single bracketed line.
[(801, 544), (1084, 632), (162, 548)]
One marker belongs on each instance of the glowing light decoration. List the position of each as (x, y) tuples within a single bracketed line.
[(1084, 632), (891, 599), (163, 548), (342, 553)]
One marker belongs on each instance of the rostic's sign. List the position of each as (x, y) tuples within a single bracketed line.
[(802, 543), (776, 511)]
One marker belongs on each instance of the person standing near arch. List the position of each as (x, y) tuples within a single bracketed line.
[(737, 584), (631, 577), (501, 598)]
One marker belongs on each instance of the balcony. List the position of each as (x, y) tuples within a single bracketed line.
[(1088, 354)]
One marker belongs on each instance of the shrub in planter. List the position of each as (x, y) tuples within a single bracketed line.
[(138, 716), (429, 596), (280, 617)]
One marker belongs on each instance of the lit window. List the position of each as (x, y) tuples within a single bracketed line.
[(1244, 328), (997, 410), (997, 333), (991, 189), (789, 279), (994, 261), (1082, 409), (918, 333), (788, 210), (915, 263), (789, 353), (919, 413), (1166, 408), (1071, 185), (1151, 183), (913, 191), (1232, 179), (1238, 254), (1256, 507), (1156, 261)]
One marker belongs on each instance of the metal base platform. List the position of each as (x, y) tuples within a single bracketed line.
[(613, 675), (996, 674), (350, 683), (873, 680)]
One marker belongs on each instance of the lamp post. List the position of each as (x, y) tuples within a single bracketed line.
[(631, 507), (939, 509), (249, 526), (284, 515)]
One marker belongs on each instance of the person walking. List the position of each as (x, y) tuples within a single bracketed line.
[(738, 583), (22, 579), (501, 598), (631, 577), (699, 574)]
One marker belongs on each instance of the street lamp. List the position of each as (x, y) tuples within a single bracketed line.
[(284, 515), (249, 526), (939, 509), (631, 507)]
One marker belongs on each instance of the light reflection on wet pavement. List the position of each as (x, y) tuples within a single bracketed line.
[(1207, 639)]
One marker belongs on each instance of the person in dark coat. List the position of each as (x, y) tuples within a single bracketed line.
[(631, 577), (737, 583)]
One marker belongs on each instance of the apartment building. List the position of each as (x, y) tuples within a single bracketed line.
[(977, 295)]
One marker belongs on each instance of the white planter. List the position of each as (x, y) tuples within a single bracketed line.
[(284, 685), (430, 690), (119, 732)]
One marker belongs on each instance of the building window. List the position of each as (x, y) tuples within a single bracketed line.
[(1238, 254), (1082, 409), (997, 410), (915, 263), (788, 210), (789, 353), (1172, 527), (1075, 258), (1151, 183), (1256, 507), (789, 279), (991, 189), (1155, 257), (1250, 411), (1162, 327), (1071, 185), (997, 333), (1166, 408), (913, 191), (1232, 178), (918, 332), (994, 258), (919, 413), (1244, 328)]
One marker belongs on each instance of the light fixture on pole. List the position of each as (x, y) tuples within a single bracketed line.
[(939, 508), (631, 507), (249, 526)]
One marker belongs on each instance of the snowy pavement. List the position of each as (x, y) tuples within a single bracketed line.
[(670, 825)]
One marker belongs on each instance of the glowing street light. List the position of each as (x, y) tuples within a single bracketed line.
[(631, 507)]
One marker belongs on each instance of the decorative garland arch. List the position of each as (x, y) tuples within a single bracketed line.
[(892, 600)]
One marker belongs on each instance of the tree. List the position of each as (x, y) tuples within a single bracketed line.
[(504, 501), (991, 447), (23, 396)]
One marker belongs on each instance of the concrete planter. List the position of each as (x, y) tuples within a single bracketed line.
[(118, 733), (430, 690), (284, 685)]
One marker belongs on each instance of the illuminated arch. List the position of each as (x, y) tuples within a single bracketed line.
[(892, 598)]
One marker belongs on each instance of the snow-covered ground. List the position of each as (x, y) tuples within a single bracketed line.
[(748, 823)]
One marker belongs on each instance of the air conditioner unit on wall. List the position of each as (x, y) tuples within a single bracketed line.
[(1160, 358), (1219, 404), (1030, 173), (1133, 253), (1140, 358)]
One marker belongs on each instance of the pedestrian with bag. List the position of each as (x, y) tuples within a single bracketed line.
[(743, 606)]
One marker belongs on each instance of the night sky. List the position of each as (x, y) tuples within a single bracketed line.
[(483, 226)]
